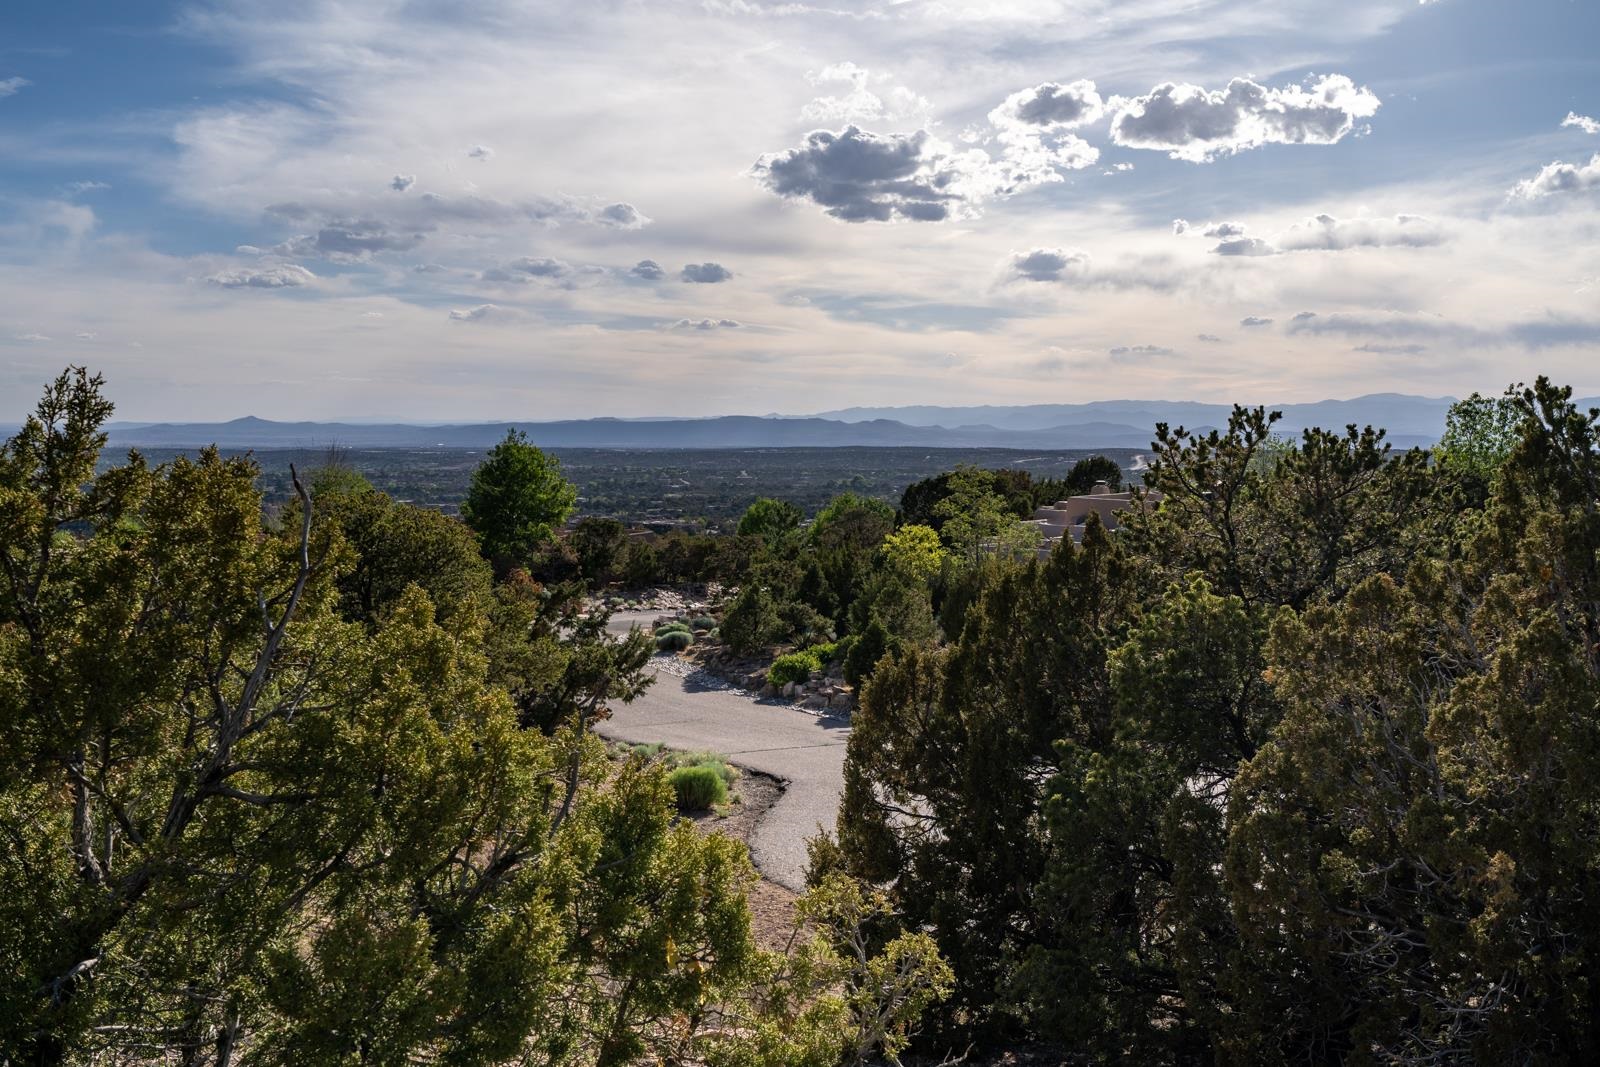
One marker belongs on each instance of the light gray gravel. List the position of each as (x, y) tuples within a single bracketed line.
[(803, 749)]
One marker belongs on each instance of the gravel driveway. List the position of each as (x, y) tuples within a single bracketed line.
[(805, 750)]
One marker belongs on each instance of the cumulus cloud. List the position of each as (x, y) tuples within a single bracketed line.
[(1192, 123), (1326, 233), (621, 217), (286, 276), (1302, 316), (1559, 179), (527, 268), (1048, 264), (1075, 267), (1244, 246), (1180, 227), (1224, 229), (1582, 122), (858, 176), (478, 313), (705, 273), (861, 103), (1251, 322), (1051, 105), (648, 270), (705, 324), (480, 152), (349, 241), (1208, 338), (10, 86), (401, 182)]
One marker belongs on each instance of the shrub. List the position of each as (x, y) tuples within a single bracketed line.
[(673, 628), (795, 667), (698, 788), (704, 622), (752, 623), (842, 647), (826, 652), (674, 641), (865, 653)]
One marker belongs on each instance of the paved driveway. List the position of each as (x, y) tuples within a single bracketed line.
[(804, 750)]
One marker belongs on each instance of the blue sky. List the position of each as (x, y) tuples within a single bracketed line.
[(420, 209)]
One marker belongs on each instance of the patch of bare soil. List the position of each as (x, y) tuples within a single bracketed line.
[(771, 905)]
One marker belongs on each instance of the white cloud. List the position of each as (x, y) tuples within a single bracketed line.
[(1244, 246), (1138, 353), (889, 103), (647, 270), (1192, 123), (86, 335), (1251, 322), (478, 313), (705, 324), (401, 182), (480, 152), (31, 338), (287, 276), (1224, 229), (9, 86), (1559, 179), (1582, 122), (349, 241), (88, 186), (1032, 126), (1208, 338), (1326, 233)]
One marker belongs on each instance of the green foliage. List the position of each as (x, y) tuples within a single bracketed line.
[(699, 787), (825, 652), (517, 499), (769, 519), (601, 547), (916, 552), (704, 622), (677, 627), (232, 819), (1084, 475), (977, 520), (862, 657), (751, 623), (673, 640), (1479, 435), (793, 667)]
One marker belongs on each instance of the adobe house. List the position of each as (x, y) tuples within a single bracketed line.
[(1066, 517)]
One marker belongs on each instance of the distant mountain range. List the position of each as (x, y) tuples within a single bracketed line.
[(1127, 424)]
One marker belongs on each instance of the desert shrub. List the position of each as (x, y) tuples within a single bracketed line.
[(752, 622), (794, 667), (698, 788), (673, 628), (842, 647), (704, 622), (826, 652), (865, 653), (674, 641)]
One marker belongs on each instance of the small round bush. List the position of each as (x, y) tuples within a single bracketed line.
[(704, 622), (673, 628), (674, 641), (698, 788), (795, 667)]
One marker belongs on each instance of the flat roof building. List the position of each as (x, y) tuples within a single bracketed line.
[(1065, 518)]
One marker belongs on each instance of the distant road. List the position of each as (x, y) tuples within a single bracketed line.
[(806, 751)]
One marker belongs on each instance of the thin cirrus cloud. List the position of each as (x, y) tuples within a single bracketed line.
[(11, 86), (1192, 123), (862, 102)]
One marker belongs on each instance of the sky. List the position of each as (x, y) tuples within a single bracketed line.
[(437, 211)]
